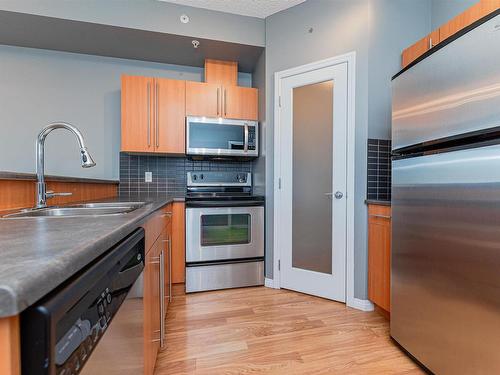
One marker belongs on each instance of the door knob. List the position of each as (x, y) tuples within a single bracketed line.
[(338, 195)]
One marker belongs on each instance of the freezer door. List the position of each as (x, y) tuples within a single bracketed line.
[(446, 260), (453, 91)]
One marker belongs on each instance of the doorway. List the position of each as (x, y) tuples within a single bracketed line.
[(313, 165)]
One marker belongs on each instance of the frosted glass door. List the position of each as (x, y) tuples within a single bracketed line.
[(311, 201), (312, 177)]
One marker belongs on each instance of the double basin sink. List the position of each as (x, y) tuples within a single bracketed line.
[(82, 209)]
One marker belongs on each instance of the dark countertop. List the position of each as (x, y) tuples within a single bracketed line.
[(379, 202), (39, 254), (32, 177)]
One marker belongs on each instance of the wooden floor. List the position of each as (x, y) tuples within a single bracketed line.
[(268, 331)]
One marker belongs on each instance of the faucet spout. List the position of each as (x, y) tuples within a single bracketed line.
[(86, 159)]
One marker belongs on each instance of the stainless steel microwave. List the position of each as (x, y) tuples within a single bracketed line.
[(218, 137)]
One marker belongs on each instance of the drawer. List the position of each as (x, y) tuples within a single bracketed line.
[(224, 275)]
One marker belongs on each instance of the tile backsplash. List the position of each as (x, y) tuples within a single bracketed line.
[(379, 169), (168, 173)]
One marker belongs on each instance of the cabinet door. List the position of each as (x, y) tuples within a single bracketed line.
[(203, 99), (137, 114), (178, 243), (240, 103), (379, 256), (151, 308), (469, 16), (419, 48), (170, 116)]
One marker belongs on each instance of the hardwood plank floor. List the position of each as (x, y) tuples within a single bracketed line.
[(268, 331)]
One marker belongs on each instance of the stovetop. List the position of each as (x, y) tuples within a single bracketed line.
[(221, 187)]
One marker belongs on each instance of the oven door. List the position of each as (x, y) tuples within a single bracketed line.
[(222, 233), (221, 137)]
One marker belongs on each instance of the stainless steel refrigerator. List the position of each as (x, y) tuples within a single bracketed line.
[(446, 205)]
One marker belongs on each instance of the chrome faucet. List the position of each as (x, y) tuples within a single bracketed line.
[(41, 188)]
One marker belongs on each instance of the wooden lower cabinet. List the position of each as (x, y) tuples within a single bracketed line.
[(178, 243), (10, 346), (164, 248), (379, 256), (151, 308)]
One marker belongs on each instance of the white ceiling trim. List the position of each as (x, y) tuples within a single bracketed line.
[(251, 8)]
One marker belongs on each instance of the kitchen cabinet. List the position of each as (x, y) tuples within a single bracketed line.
[(464, 19), (469, 16), (178, 243), (379, 256), (137, 113), (151, 308), (153, 111), (171, 112), (156, 283), (419, 48), (240, 103), (213, 100), (203, 99), (221, 72)]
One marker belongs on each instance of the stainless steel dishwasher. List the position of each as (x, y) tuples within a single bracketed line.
[(94, 323)]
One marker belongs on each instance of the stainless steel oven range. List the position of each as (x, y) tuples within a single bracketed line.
[(224, 231)]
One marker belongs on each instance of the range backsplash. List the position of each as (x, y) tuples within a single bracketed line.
[(169, 173), (379, 169)]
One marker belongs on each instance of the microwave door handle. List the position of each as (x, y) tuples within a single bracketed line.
[(245, 145)]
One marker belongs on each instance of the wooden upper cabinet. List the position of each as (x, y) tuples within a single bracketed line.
[(469, 16), (417, 49), (203, 99), (153, 111), (240, 103), (170, 122), (464, 19), (136, 111), (379, 256), (220, 72)]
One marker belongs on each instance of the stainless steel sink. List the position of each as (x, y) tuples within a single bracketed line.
[(83, 209)]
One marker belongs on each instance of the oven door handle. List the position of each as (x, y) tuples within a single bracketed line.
[(245, 144)]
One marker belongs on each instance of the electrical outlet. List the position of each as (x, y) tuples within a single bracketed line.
[(148, 176)]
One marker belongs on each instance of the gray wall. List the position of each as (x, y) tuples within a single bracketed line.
[(149, 15), (38, 87), (445, 10), (341, 26)]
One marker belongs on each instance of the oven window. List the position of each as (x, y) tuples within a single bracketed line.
[(228, 229)]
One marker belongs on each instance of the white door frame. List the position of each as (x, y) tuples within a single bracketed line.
[(350, 59)]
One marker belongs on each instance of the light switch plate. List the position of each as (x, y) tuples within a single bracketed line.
[(148, 176)]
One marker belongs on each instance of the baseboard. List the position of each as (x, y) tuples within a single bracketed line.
[(269, 283), (361, 304)]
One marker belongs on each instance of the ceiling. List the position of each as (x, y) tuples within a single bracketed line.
[(252, 8)]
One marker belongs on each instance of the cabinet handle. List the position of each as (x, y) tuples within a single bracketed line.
[(167, 214), (218, 104), (162, 299), (381, 216), (157, 116), (170, 270), (430, 43), (149, 114)]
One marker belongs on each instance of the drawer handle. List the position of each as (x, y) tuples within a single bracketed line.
[(381, 216), (167, 214)]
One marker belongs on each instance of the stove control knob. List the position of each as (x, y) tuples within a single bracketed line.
[(201, 176), (195, 177)]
